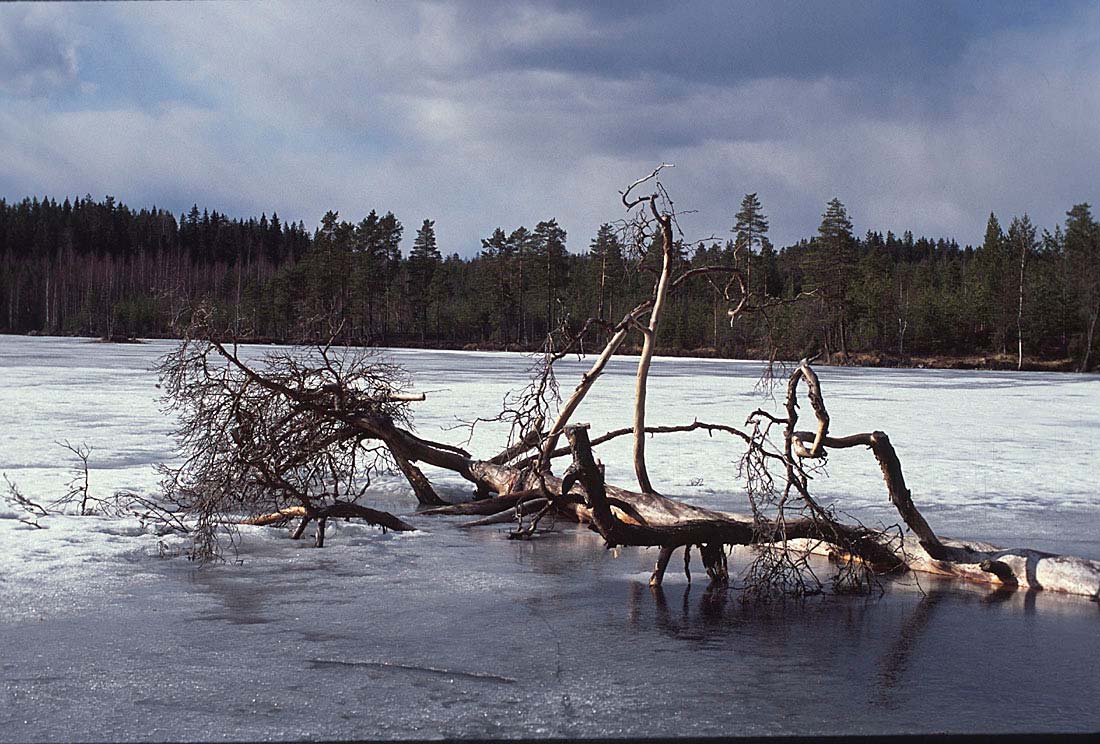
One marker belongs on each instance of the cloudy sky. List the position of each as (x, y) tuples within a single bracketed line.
[(917, 115)]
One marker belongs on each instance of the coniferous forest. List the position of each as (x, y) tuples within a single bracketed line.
[(102, 269)]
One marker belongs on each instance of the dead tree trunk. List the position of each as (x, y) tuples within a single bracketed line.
[(648, 344), (649, 332)]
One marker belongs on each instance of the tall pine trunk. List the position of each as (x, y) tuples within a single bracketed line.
[(1088, 339), (1020, 311)]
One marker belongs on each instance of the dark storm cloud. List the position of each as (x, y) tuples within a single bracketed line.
[(726, 43)]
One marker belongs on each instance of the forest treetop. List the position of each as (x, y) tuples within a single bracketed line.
[(99, 268)]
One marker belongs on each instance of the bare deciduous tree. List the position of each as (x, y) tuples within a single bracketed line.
[(280, 439)]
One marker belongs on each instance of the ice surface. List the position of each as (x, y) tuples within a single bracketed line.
[(462, 633)]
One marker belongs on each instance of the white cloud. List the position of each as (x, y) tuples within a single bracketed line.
[(37, 56), (416, 108)]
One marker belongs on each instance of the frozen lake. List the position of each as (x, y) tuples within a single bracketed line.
[(462, 633)]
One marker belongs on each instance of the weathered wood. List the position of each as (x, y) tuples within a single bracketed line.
[(301, 528), (276, 517), (422, 487), (649, 340), (509, 515), (659, 568), (483, 507), (647, 519), (340, 510), (670, 526), (347, 510)]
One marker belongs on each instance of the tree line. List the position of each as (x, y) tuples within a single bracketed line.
[(98, 268)]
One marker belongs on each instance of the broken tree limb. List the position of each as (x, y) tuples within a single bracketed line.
[(813, 386), (421, 486), (1022, 567), (338, 510), (707, 528), (346, 510), (900, 496), (483, 507), (522, 509), (974, 561), (277, 517)]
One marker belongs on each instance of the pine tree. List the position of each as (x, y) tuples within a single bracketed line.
[(607, 250), (829, 269), (752, 235), (424, 259), (1082, 239), (550, 245), (752, 225)]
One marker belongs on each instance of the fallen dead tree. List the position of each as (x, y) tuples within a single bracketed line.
[(300, 438), (634, 518)]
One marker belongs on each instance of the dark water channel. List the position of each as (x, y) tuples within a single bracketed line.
[(457, 633)]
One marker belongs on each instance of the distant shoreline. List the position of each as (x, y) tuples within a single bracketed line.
[(974, 361)]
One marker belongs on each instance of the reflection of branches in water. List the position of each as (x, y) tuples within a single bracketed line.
[(665, 621), (894, 662), (1005, 593), (711, 610), (711, 615)]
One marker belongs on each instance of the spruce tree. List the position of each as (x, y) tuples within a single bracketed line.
[(497, 251), (996, 269)]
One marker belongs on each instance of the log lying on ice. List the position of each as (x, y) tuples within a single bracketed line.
[(671, 525), (668, 524), (971, 560), (646, 519), (986, 563), (483, 507)]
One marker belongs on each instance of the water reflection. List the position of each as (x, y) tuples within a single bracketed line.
[(894, 662), (712, 610), (886, 651)]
